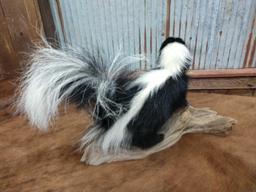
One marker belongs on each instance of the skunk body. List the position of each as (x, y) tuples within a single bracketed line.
[(128, 110)]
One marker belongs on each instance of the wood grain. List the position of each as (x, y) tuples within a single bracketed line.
[(7, 88), (48, 22), (247, 72), (21, 24), (223, 83), (7, 52)]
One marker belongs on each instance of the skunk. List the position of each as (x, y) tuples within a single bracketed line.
[(128, 108)]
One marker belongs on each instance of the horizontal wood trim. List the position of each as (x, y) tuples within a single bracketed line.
[(241, 92), (247, 72), (226, 85), (222, 83)]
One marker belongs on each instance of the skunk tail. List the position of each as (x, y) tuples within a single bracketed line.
[(55, 76)]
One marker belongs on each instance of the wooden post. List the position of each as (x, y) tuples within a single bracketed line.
[(20, 24)]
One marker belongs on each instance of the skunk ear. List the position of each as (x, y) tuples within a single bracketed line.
[(172, 40)]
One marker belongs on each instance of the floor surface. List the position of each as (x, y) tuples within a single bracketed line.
[(34, 161)]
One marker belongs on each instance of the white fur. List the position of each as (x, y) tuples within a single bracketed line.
[(173, 57), (117, 135), (51, 70)]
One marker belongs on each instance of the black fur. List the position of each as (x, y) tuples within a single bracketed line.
[(156, 111), (78, 95), (171, 40), (145, 127), (122, 96)]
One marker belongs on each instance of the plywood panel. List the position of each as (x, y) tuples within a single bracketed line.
[(7, 52), (20, 25)]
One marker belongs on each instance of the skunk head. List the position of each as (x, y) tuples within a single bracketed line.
[(174, 55)]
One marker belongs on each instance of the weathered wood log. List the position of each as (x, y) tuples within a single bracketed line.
[(188, 120)]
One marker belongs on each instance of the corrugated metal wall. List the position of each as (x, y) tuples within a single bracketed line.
[(220, 33)]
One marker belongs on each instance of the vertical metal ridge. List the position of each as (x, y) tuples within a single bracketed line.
[(235, 35), (167, 19), (183, 19), (248, 39), (244, 27), (219, 33), (252, 59), (223, 33), (201, 34), (194, 34), (60, 17)]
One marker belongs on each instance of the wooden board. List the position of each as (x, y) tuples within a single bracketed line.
[(247, 72), (20, 24), (222, 83)]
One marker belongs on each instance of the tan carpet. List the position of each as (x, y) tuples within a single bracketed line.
[(32, 161)]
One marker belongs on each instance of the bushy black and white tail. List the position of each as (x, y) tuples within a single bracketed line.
[(55, 76), (127, 112)]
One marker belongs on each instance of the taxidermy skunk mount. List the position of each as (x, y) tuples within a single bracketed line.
[(128, 111)]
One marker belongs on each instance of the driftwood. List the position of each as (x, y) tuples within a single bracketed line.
[(188, 120)]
